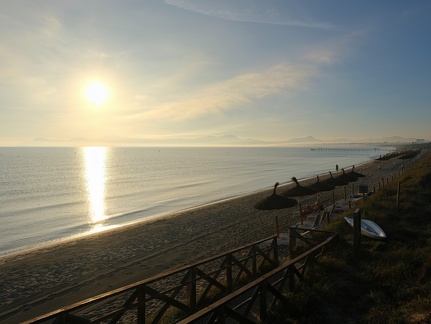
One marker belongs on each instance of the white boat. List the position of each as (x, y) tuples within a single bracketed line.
[(368, 228)]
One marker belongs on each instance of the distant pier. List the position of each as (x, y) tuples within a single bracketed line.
[(344, 149)]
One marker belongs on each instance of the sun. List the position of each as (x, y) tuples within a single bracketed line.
[(96, 93)]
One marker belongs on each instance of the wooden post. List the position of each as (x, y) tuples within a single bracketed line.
[(263, 301), (398, 196), (191, 289), (292, 242), (357, 228), (141, 304), (291, 275), (254, 260), (275, 251), (229, 278), (277, 226)]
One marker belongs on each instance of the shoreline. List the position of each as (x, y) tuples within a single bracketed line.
[(18, 252), (52, 277)]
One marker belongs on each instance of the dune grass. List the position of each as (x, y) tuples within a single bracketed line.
[(387, 281)]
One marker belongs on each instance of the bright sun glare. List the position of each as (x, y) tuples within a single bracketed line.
[(96, 93)]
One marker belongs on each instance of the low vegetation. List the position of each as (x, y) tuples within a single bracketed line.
[(386, 281)]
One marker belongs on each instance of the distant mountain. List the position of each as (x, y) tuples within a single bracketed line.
[(228, 140), (307, 139)]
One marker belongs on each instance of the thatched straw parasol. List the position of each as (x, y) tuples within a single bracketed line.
[(275, 202), (348, 178), (356, 174), (334, 182), (299, 191), (320, 187)]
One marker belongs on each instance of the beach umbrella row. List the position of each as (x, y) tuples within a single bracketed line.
[(284, 200), (321, 186)]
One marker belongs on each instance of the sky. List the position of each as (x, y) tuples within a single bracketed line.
[(201, 72)]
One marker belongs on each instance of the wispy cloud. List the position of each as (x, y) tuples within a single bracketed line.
[(235, 92), (246, 11)]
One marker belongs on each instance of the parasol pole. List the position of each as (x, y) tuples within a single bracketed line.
[(300, 210)]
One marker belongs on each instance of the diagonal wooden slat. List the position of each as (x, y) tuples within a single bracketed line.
[(250, 256), (267, 257), (174, 293), (251, 300), (267, 289), (127, 303), (236, 316), (173, 302), (212, 282), (241, 266)]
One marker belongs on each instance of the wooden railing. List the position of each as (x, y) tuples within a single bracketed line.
[(178, 293), (302, 238), (254, 302)]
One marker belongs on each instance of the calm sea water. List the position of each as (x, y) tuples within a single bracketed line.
[(51, 194)]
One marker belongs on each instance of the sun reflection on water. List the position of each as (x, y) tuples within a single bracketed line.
[(95, 178)]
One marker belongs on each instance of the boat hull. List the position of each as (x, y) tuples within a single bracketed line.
[(369, 228)]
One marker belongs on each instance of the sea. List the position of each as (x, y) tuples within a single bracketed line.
[(53, 194)]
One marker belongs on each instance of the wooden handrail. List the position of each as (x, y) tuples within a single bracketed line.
[(233, 267), (256, 295)]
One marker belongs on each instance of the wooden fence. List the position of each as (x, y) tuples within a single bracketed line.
[(254, 302), (178, 293), (307, 237)]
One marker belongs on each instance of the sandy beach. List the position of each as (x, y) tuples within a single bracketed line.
[(42, 280)]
